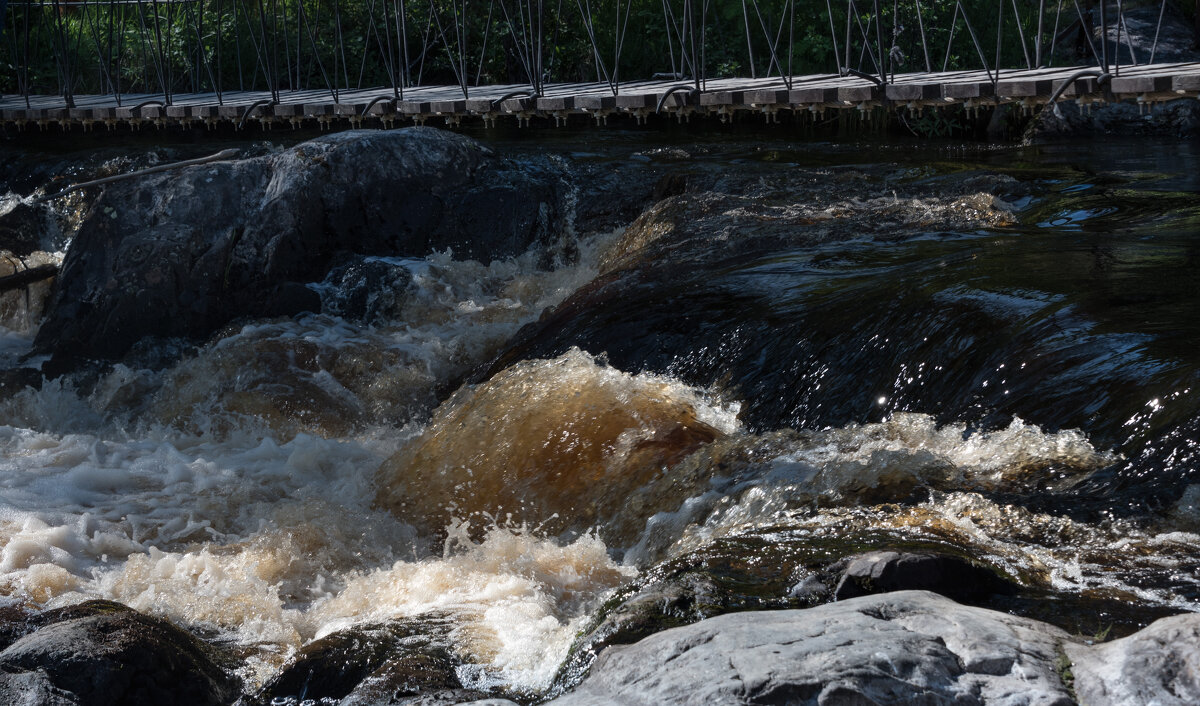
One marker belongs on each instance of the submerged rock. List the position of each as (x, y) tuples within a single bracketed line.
[(372, 290), (180, 253), (907, 647), (1158, 665), (567, 443), (101, 653)]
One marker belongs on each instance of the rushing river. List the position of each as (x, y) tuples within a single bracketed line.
[(818, 349)]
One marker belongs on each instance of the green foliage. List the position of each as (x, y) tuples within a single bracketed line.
[(196, 45), (1063, 666), (934, 122)]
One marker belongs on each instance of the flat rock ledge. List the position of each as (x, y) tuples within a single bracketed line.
[(1158, 665), (907, 647)]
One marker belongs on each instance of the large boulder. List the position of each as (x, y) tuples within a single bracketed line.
[(1158, 665), (909, 647), (103, 653), (181, 253)]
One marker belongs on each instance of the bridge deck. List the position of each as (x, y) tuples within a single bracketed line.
[(818, 93)]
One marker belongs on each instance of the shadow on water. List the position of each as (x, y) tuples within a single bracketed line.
[(1084, 313)]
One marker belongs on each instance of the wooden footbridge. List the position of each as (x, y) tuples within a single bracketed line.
[(103, 65)]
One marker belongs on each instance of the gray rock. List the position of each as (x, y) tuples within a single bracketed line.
[(181, 253), (909, 647), (103, 653), (1158, 665), (32, 689)]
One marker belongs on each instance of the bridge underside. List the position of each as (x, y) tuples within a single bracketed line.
[(1146, 84)]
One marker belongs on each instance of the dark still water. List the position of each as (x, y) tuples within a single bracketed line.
[(746, 355)]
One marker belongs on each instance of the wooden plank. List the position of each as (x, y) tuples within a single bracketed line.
[(596, 102), (813, 95), (414, 107), (636, 100), (518, 105), (1030, 87), (968, 91), (1186, 82), (450, 107), (860, 94), (720, 98), (556, 103), (773, 96), (1086, 86), (913, 91), (1141, 84)]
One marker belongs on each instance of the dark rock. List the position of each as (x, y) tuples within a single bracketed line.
[(18, 621), (885, 571), (101, 653), (181, 253), (25, 228), (379, 663), (671, 184), (290, 299), (13, 380), (14, 624), (708, 224), (910, 647), (609, 196), (1157, 665), (1178, 118), (421, 679), (369, 289)]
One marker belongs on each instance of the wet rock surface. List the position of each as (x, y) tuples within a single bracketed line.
[(369, 289), (100, 653), (406, 661), (886, 571), (180, 253), (749, 573), (25, 228), (1178, 118), (905, 647), (1157, 665)]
